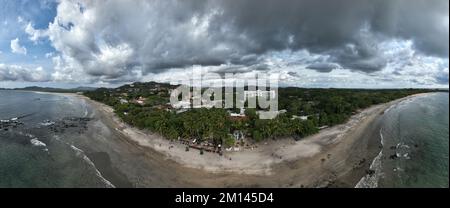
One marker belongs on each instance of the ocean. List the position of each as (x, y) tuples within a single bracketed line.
[(41, 150), (414, 135), (58, 142)]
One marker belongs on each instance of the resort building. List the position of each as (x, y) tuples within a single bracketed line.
[(304, 118), (123, 101), (260, 93), (240, 114)]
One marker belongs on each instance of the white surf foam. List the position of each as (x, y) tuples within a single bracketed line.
[(35, 141), (80, 153), (371, 180), (47, 123), (39, 143)]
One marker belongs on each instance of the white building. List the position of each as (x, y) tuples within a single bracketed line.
[(304, 118), (181, 104), (123, 101), (240, 114), (260, 93)]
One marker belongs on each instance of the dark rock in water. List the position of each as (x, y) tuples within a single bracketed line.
[(416, 145), (78, 125), (393, 156), (362, 161), (370, 172)]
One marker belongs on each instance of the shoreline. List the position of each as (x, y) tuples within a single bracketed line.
[(338, 156), (342, 145)]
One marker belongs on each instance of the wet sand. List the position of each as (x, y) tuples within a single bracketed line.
[(335, 157)]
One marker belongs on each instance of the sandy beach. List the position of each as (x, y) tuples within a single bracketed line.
[(335, 157)]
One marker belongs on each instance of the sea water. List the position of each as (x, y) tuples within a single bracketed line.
[(416, 143), (414, 135), (33, 156)]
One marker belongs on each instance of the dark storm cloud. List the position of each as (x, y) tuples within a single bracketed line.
[(153, 36), (420, 20), (442, 78), (323, 67), (331, 26)]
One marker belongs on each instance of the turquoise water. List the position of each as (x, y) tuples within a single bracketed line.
[(416, 143)]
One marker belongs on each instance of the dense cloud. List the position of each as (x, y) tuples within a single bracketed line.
[(121, 40), (324, 67), (19, 73), (17, 48)]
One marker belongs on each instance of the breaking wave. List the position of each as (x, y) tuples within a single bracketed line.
[(371, 179), (35, 141), (80, 153)]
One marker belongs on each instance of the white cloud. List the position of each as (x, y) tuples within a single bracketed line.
[(17, 48), (49, 55), (34, 35), (118, 41), (114, 39), (20, 19), (20, 73)]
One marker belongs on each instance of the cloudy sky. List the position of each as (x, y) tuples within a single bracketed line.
[(309, 43)]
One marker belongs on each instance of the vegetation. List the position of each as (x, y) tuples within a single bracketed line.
[(320, 107)]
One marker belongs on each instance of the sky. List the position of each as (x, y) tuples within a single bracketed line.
[(307, 43)]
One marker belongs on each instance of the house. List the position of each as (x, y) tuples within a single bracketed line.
[(240, 114), (282, 111), (123, 101), (260, 93), (140, 101), (181, 104), (277, 112), (304, 118)]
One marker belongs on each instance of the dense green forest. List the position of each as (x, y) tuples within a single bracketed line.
[(321, 107)]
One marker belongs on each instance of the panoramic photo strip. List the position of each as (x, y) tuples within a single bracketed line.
[(252, 94)]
